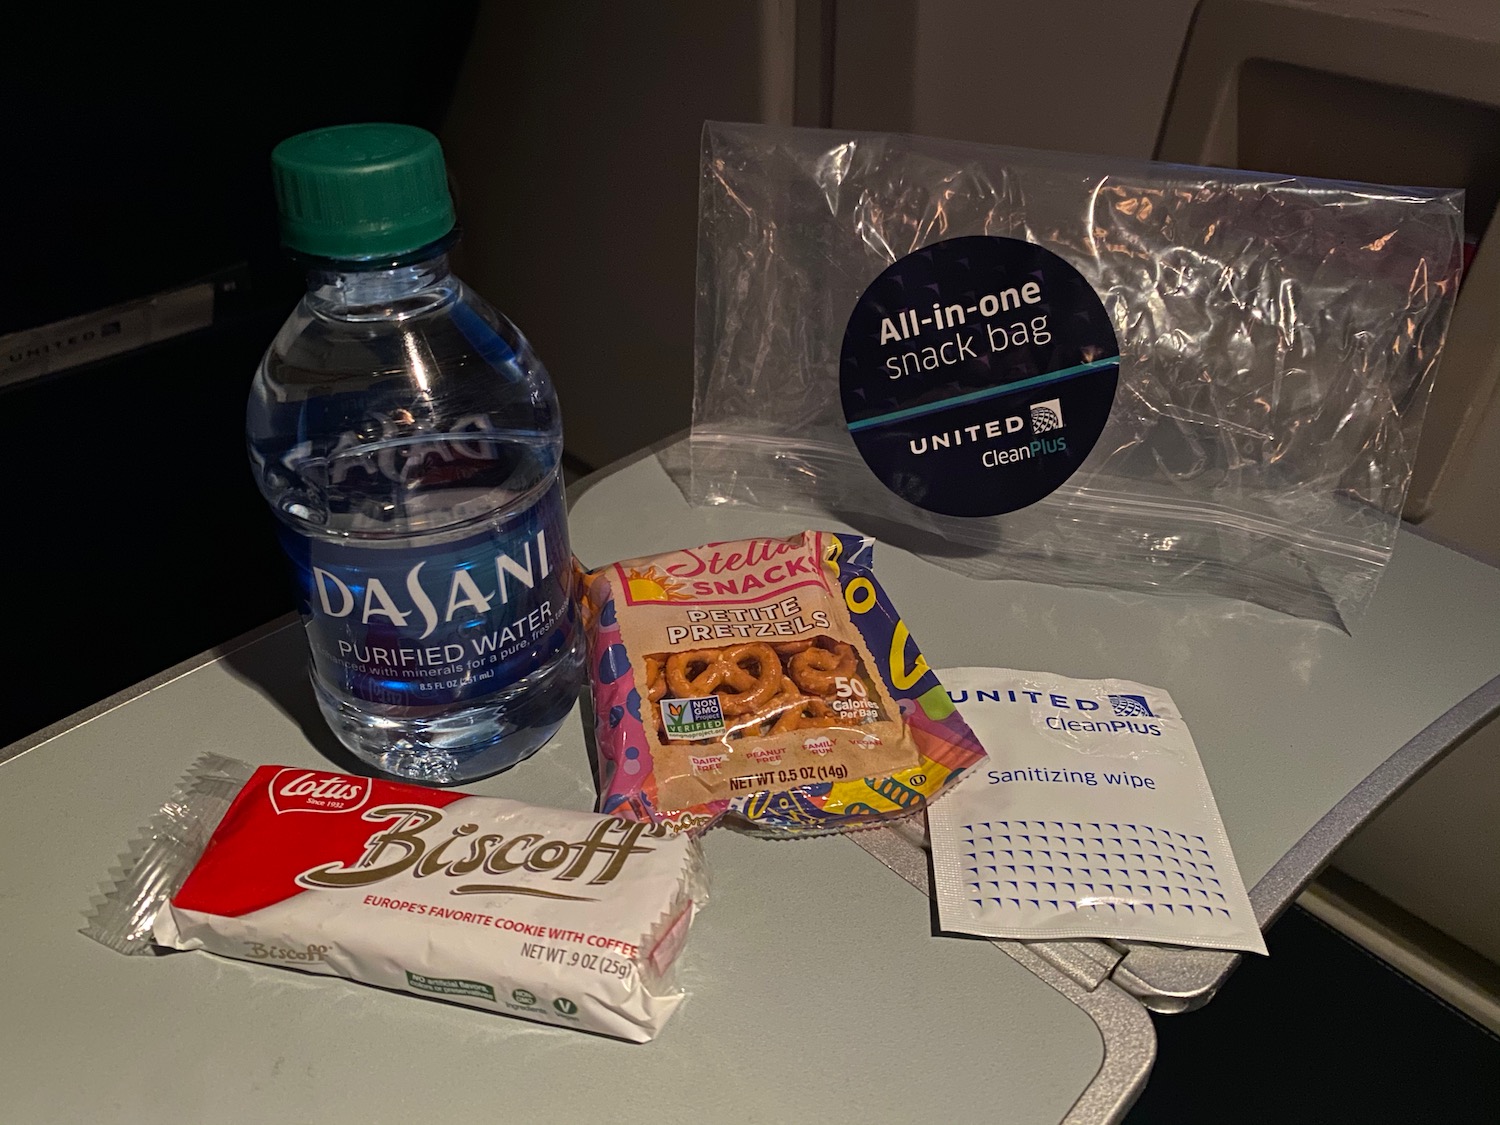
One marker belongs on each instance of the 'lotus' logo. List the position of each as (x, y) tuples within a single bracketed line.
[(314, 791)]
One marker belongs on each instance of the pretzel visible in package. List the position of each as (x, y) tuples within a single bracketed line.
[(769, 680)]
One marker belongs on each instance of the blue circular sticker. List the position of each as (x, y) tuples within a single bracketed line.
[(977, 373)]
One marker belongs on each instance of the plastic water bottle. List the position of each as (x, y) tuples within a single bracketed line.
[(409, 441)]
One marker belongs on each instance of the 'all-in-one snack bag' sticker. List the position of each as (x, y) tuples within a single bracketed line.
[(770, 680)]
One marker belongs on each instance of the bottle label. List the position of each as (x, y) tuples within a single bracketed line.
[(414, 626)]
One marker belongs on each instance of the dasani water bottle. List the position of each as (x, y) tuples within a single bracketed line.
[(409, 442)]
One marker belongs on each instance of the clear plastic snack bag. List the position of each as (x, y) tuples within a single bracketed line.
[(1079, 370)]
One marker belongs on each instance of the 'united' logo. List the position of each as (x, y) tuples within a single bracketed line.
[(1131, 706), (1046, 416)]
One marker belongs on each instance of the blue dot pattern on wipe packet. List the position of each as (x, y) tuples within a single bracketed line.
[(1068, 865)]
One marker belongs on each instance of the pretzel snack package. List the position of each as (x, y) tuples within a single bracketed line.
[(769, 681)]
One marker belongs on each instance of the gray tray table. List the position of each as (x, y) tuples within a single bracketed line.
[(819, 989)]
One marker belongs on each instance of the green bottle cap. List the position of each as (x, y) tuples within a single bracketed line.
[(361, 192)]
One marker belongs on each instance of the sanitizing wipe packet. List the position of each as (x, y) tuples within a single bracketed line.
[(1094, 819)]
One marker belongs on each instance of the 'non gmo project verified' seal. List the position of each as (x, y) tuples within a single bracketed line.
[(692, 718)]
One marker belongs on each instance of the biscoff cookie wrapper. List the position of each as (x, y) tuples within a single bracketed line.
[(767, 681), (567, 918)]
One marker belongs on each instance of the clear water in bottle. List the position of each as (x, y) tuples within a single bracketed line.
[(410, 441)]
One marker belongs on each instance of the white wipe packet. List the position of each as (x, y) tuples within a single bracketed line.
[(1094, 819)]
